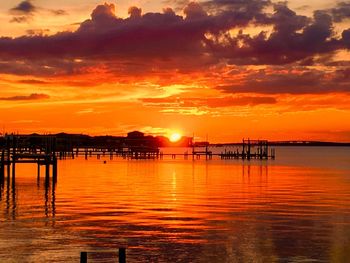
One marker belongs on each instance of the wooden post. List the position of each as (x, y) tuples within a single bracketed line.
[(122, 255), (83, 257), (243, 150), (248, 151), (47, 167), (2, 163), (206, 148), (193, 147), (8, 155), (54, 169), (13, 156), (260, 150), (13, 167)]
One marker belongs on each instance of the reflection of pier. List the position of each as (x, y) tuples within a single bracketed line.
[(9, 193), (15, 152)]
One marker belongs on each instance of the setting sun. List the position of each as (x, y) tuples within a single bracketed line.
[(174, 137)]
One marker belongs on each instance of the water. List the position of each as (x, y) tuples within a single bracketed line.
[(293, 209)]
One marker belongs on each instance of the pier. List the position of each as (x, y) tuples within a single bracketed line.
[(15, 151), (45, 150), (251, 149)]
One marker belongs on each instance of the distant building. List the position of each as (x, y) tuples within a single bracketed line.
[(135, 135)]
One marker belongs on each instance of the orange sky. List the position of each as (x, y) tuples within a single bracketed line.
[(259, 69)]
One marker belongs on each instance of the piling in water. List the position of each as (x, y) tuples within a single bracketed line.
[(83, 257)]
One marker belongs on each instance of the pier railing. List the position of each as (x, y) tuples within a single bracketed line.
[(15, 151), (44, 151)]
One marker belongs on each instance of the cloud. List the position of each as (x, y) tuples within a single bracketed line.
[(23, 12), (291, 82), (200, 41), (33, 96), (169, 36), (59, 12), (24, 8), (341, 11), (134, 12), (38, 31), (346, 38), (239, 5), (177, 4), (20, 19), (212, 102), (33, 81), (294, 38)]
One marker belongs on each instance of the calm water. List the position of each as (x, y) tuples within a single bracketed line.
[(293, 209)]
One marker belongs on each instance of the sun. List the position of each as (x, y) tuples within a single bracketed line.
[(174, 137)]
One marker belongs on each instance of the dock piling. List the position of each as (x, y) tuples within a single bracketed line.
[(38, 170), (122, 255), (2, 165), (83, 257)]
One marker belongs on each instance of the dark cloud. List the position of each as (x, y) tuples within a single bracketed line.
[(34, 96), (32, 81), (59, 12), (134, 12), (42, 67), (20, 19), (195, 11), (228, 101), (346, 38), (152, 43), (294, 38), (24, 7), (341, 11), (215, 6), (25, 11), (292, 82), (38, 31)]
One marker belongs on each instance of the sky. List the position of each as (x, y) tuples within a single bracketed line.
[(217, 69)]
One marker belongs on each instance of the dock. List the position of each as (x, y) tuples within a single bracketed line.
[(14, 152), (46, 150)]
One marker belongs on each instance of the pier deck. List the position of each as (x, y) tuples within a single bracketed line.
[(46, 152)]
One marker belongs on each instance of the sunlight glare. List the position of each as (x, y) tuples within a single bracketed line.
[(174, 137)]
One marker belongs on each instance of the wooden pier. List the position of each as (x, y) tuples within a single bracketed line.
[(15, 152), (247, 150), (251, 149), (45, 151)]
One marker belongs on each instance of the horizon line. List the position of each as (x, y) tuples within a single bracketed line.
[(291, 141)]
